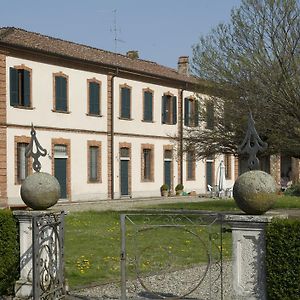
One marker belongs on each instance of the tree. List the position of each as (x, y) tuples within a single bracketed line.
[(251, 63)]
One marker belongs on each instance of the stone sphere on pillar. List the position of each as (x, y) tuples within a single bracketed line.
[(40, 191), (255, 192)]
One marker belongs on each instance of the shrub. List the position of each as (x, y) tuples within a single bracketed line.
[(179, 187), (164, 187), (283, 259), (9, 252), (294, 190)]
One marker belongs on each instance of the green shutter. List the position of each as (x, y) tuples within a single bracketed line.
[(174, 99), (125, 105), (209, 115), (186, 112), (164, 109), (94, 98), (14, 86), (61, 93), (26, 91), (147, 106), (196, 113)]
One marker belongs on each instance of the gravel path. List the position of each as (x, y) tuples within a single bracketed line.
[(173, 284)]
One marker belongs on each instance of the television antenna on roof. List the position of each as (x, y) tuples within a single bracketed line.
[(115, 30)]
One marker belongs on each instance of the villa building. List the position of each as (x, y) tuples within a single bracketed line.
[(107, 121)]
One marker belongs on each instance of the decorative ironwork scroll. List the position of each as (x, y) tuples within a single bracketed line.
[(251, 144), (47, 258), (171, 255), (40, 151)]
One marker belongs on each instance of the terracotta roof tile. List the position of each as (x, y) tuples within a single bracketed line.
[(34, 41)]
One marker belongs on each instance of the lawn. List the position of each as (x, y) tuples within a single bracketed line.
[(92, 242)]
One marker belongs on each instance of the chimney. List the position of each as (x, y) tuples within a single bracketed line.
[(133, 54), (183, 65)]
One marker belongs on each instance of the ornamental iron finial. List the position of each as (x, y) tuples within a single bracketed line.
[(40, 151), (252, 144)]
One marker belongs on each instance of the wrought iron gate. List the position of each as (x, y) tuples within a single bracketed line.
[(172, 255), (48, 256)]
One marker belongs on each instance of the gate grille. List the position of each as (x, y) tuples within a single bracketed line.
[(172, 255)]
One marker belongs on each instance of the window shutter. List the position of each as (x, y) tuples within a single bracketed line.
[(26, 88), (58, 105), (125, 107), (174, 109), (164, 110), (186, 112), (196, 113), (64, 93), (93, 163), (94, 98), (209, 115), (14, 86), (61, 93), (147, 106)]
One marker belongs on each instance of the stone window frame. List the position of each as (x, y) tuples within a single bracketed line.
[(228, 167), (121, 86), (171, 110), (93, 80), (60, 74), (24, 67), (20, 140), (170, 148), (152, 160), (98, 144), (148, 90), (67, 143), (193, 178)]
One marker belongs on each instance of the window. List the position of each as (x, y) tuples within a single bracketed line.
[(60, 92), (20, 85), (147, 163), (94, 161), (227, 164), (169, 109), (94, 97), (148, 106), (191, 115), (125, 102), (22, 162), (209, 115), (191, 165)]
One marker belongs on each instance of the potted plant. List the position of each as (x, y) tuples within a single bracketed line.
[(179, 189), (164, 190)]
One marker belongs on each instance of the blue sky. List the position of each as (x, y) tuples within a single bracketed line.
[(161, 30)]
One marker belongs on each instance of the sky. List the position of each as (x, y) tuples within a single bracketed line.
[(160, 30)]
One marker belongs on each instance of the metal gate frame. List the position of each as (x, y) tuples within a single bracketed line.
[(174, 217), (48, 256)]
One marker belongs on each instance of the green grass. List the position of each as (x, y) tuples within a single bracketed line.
[(92, 242)]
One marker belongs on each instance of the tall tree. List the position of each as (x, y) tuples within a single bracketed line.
[(251, 63)]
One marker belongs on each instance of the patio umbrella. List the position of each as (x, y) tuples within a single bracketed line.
[(221, 178)]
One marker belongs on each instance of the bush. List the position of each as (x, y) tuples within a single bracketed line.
[(283, 260), (9, 252), (164, 187), (179, 187), (294, 190)]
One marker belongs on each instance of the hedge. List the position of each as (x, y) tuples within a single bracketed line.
[(9, 252), (283, 260)]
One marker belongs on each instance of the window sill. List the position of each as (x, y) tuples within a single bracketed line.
[(61, 111), (190, 179), (168, 124), (94, 115), (147, 180), (125, 119), (148, 121), (94, 181), (23, 107)]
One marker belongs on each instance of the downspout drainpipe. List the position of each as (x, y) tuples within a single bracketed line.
[(181, 137), (112, 135)]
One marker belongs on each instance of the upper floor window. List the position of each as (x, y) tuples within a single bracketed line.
[(191, 115), (20, 87), (125, 99), (209, 115), (60, 92), (148, 106), (169, 109), (94, 87)]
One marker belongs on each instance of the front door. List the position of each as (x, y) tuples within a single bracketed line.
[(167, 173), (124, 177), (60, 172)]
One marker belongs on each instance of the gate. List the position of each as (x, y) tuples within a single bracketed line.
[(173, 255), (47, 256)]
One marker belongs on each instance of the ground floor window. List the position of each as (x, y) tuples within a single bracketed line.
[(191, 165), (22, 162)]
